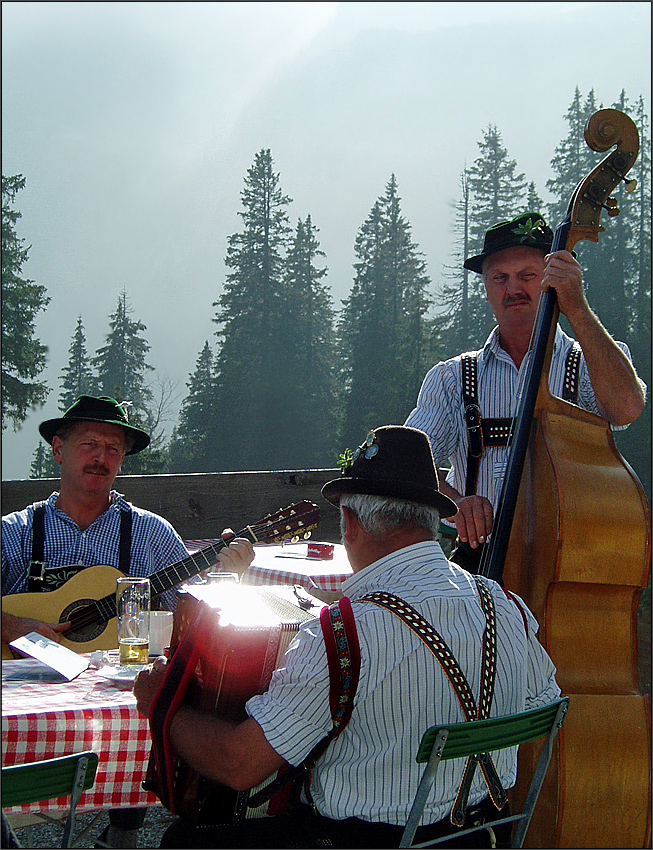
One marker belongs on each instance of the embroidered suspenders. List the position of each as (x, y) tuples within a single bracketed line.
[(40, 577), (497, 431), (472, 711), (344, 660)]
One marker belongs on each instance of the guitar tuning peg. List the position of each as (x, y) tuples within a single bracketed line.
[(294, 539), (307, 534)]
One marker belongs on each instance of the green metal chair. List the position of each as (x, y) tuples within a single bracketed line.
[(47, 780), (459, 740)]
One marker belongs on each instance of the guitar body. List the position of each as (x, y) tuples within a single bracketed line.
[(56, 606)]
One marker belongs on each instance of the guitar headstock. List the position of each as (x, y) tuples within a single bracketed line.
[(289, 523)]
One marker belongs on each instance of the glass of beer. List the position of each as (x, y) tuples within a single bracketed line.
[(133, 606)]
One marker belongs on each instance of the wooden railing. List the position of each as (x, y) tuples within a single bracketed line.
[(199, 506)]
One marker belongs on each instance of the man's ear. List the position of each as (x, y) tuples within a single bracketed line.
[(57, 443), (352, 525)]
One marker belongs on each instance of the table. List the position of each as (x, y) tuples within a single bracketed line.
[(290, 564), (44, 719)]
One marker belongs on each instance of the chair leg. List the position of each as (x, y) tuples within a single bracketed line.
[(538, 779), (75, 796), (423, 790)]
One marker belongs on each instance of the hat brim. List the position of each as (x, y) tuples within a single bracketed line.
[(50, 427), (475, 264), (333, 490)]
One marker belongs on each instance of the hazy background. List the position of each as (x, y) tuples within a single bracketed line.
[(134, 125)]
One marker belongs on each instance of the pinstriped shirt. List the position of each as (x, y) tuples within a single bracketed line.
[(369, 771), (154, 545), (439, 411)]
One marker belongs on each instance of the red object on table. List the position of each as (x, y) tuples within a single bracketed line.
[(43, 719)]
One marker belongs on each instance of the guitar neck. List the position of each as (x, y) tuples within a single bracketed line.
[(173, 575)]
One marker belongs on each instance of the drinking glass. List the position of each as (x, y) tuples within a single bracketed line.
[(133, 606)]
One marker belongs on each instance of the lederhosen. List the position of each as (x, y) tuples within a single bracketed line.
[(42, 578), (495, 431)]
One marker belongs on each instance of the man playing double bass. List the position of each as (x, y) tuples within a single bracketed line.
[(466, 404)]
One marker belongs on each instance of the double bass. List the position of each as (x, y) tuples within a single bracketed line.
[(572, 538)]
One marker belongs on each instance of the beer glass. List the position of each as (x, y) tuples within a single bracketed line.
[(133, 606)]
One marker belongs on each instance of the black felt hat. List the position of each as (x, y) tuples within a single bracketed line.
[(87, 408), (396, 462), (528, 230)]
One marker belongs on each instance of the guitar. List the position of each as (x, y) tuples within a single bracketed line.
[(88, 599)]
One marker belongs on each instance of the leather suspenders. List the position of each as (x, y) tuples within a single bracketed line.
[(471, 709), (497, 431), (37, 569)]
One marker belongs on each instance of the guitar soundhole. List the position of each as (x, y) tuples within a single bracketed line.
[(84, 618)]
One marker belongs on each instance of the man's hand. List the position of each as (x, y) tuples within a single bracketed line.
[(147, 683), (15, 627), (564, 274), (238, 555), (473, 520)]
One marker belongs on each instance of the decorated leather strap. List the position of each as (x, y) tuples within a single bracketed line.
[(472, 711), (489, 431), (572, 368), (344, 661)]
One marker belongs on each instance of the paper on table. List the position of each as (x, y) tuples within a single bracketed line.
[(52, 654)]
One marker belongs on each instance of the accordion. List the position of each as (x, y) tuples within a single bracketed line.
[(226, 642)]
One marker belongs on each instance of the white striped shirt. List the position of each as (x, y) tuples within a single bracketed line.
[(440, 409), (154, 543), (370, 771)]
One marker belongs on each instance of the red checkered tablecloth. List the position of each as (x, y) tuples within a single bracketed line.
[(290, 564), (44, 719)]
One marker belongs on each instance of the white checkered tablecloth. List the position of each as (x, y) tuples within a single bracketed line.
[(43, 719), (290, 564)]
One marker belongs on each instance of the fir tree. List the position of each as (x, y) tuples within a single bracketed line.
[(23, 356), (190, 445), (385, 336), (77, 378), (466, 320), (43, 464), (498, 191), (253, 329), (312, 404), (121, 368), (120, 364)]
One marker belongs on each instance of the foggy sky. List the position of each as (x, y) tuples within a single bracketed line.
[(134, 125)]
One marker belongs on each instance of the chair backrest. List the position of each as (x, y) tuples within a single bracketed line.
[(487, 736), (66, 776), (45, 780), (460, 740)]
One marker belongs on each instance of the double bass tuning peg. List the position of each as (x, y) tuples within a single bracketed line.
[(631, 185), (611, 207)]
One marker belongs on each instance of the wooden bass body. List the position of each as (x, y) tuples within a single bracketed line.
[(579, 555), (226, 642)]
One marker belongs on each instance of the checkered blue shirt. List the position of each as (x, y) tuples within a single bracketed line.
[(370, 771), (154, 544)]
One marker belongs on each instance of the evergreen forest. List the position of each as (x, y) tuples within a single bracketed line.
[(351, 366)]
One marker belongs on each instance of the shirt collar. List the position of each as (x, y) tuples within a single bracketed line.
[(374, 576), (492, 346)]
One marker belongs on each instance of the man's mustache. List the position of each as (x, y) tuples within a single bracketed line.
[(516, 299), (97, 469)]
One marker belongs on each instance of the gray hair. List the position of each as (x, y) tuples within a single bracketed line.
[(379, 515)]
